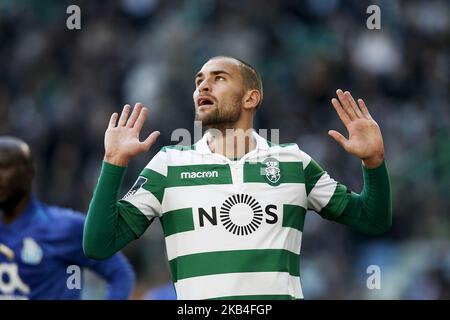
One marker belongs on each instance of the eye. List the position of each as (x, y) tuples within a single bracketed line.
[(220, 78), (197, 82)]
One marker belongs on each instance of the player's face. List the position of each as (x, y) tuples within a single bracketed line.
[(219, 93), (14, 181)]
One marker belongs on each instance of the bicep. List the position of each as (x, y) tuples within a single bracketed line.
[(325, 195)]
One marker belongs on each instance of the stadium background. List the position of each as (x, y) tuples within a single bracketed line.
[(59, 86)]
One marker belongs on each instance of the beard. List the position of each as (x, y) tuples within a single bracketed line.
[(221, 117)]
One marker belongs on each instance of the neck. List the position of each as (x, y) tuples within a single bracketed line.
[(232, 140), (11, 214)]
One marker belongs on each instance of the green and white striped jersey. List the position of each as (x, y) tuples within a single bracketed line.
[(233, 229)]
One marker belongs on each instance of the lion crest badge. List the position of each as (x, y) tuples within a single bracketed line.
[(271, 168)]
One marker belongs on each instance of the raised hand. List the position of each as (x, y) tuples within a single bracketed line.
[(365, 140), (122, 137)]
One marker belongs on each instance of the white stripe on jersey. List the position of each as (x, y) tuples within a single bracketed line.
[(239, 284)]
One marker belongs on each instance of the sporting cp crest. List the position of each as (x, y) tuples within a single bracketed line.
[(272, 171)]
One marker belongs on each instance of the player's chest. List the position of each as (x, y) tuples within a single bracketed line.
[(28, 249), (269, 172), (25, 259), (260, 185), (236, 198)]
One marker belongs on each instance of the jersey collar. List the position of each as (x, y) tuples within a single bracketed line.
[(202, 144)]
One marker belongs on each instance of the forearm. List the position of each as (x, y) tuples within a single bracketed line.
[(370, 211), (105, 231)]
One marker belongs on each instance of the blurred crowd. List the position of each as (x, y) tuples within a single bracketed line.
[(58, 88)]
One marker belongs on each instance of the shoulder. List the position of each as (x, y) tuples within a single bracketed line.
[(63, 233), (289, 152), (170, 155), (64, 219), (173, 151)]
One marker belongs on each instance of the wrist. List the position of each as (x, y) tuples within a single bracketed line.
[(116, 160), (373, 162)]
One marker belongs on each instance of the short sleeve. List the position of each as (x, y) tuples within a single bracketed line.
[(325, 195), (145, 197)]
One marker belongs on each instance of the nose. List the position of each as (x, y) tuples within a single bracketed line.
[(204, 86)]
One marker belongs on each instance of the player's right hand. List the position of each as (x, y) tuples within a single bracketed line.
[(122, 137)]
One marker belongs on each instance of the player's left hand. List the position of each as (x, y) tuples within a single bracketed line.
[(365, 140)]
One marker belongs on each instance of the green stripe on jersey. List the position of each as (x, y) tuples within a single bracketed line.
[(313, 172), (178, 147), (155, 183), (197, 175), (337, 203), (258, 297), (283, 145), (290, 172), (293, 216), (176, 221), (220, 262)]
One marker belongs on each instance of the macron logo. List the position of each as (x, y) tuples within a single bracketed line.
[(199, 174)]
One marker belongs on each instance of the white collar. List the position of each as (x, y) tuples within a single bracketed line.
[(202, 145)]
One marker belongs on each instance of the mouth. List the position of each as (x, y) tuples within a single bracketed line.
[(205, 101)]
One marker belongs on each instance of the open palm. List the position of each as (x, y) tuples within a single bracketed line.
[(364, 135), (122, 138)]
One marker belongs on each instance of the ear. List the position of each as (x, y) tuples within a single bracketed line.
[(251, 99)]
